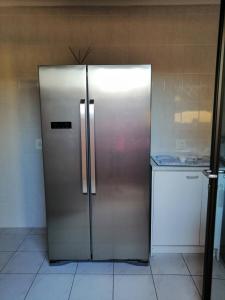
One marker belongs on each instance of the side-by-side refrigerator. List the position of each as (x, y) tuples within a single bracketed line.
[(96, 148)]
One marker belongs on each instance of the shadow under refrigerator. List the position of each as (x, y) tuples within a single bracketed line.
[(96, 148)]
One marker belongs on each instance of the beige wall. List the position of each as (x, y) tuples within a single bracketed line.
[(179, 42)]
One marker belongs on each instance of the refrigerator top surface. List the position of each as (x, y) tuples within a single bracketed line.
[(103, 65)]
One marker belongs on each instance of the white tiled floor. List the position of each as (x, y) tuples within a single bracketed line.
[(24, 263), (26, 274), (168, 264), (194, 263), (129, 269), (90, 287), (95, 268), (134, 287), (69, 268), (172, 287)]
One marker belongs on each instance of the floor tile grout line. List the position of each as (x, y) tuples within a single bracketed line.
[(173, 274), (22, 242), (15, 251), (153, 280), (34, 278), (100, 274), (196, 285), (37, 250), (17, 248), (156, 293), (189, 268), (182, 255), (11, 257), (127, 274), (25, 273), (73, 281), (28, 229), (191, 275), (4, 265), (215, 278), (71, 286)]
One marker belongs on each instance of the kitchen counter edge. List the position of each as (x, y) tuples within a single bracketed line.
[(155, 167)]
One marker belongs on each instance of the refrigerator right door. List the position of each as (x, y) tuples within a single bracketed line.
[(119, 116)]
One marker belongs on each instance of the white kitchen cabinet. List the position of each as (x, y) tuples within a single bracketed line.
[(177, 201)]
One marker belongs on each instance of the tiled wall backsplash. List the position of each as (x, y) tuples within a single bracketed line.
[(179, 42), (183, 85), (182, 112)]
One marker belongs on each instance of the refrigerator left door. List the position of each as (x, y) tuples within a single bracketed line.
[(63, 110)]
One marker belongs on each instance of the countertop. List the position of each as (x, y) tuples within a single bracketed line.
[(156, 167)]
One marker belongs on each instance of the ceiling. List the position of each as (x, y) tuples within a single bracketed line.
[(103, 2)]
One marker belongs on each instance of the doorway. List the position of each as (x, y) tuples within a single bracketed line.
[(214, 265)]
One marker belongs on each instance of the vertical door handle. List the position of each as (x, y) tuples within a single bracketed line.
[(92, 144), (83, 145)]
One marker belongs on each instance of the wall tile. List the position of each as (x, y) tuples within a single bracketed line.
[(180, 43)]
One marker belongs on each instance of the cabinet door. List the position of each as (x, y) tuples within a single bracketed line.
[(176, 207)]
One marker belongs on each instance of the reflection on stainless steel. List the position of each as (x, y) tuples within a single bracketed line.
[(188, 117), (117, 161), (117, 79)]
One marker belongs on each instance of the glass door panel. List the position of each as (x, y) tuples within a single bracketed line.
[(218, 273), (214, 263)]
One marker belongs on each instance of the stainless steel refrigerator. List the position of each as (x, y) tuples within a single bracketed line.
[(96, 149)]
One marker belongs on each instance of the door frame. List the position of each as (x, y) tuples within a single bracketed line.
[(219, 94)]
